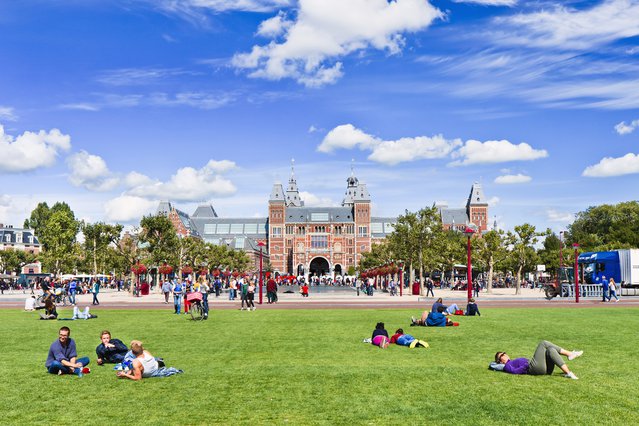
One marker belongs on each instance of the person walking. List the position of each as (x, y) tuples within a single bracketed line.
[(73, 287), (243, 288), (429, 287), (476, 288), (250, 296), (204, 289), (605, 287), (233, 289), (612, 288), (271, 290), (178, 292), (95, 290), (166, 289)]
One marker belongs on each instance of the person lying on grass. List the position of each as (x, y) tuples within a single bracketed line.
[(433, 319), (63, 358), (546, 357), (78, 314), (402, 339), (448, 310), (380, 336), (145, 365)]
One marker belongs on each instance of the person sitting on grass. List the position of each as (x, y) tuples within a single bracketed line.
[(145, 365), (448, 310), (110, 351), (63, 358), (402, 339), (380, 336), (29, 304), (433, 319), (472, 309), (546, 357), (50, 311)]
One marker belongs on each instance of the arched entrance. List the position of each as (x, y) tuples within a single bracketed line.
[(319, 266), (338, 270), (300, 270)]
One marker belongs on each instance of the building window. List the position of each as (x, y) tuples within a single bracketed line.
[(277, 231), (350, 229), (290, 229), (337, 230), (362, 231), (319, 241), (209, 228)]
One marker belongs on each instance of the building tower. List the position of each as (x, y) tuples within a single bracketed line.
[(292, 193), (477, 208), (358, 197), (276, 216)]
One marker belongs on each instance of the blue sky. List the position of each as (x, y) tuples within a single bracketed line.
[(114, 105)]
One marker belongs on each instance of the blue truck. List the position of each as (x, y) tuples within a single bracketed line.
[(622, 265)]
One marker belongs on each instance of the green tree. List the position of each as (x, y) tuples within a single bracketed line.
[(97, 238), (192, 251), (606, 227), (491, 251), (160, 238), (451, 250), (523, 254), (58, 237), (549, 253), (38, 219), (13, 260)]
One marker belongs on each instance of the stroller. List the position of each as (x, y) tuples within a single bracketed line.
[(197, 307)]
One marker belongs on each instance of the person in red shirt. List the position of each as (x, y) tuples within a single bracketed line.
[(399, 338), (271, 290), (304, 290)]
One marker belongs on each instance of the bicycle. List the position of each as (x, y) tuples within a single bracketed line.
[(59, 297), (197, 307)]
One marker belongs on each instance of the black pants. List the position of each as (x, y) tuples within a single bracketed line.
[(249, 300)]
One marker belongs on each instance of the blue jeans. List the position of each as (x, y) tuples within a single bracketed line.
[(57, 366), (231, 294), (72, 296), (95, 299), (177, 300), (205, 303), (452, 308)]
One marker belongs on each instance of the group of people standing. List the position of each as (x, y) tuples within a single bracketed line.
[(181, 290), (609, 289)]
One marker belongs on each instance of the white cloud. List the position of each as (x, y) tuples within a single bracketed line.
[(489, 2), (7, 113), (326, 30), (138, 76), (512, 179), (80, 107), (201, 100), (312, 200), (312, 129), (91, 172), (187, 184), (557, 216), (608, 166), (565, 27), (493, 201), (274, 26), (406, 149), (5, 201), (128, 208), (30, 150), (476, 152), (196, 6), (624, 129), (134, 179)]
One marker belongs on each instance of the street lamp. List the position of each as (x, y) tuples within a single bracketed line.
[(576, 246), (561, 253), (469, 280), (261, 245)]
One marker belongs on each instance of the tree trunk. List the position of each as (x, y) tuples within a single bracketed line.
[(421, 274), (518, 280), (489, 285), (95, 260)]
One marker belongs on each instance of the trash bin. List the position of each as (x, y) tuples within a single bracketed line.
[(144, 289), (415, 289)]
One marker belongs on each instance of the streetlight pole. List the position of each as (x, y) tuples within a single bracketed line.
[(469, 280), (561, 253), (576, 246), (261, 246)]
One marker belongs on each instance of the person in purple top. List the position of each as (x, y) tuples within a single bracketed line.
[(63, 358), (546, 356)]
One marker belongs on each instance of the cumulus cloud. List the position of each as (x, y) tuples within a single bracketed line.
[(574, 28), (493, 201), (557, 216), (476, 152), (30, 150), (5, 201), (90, 171), (489, 2), (274, 26), (128, 208), (512, 179), (609, 166), (391, 152), (624, 129), (190, 7), (7, 113), (312, 200), (134, 179), (187, 184), (308, 49)]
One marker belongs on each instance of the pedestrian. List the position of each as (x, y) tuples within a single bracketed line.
[(243, 288), (271, 290), (476, 288), (612, 288), (166, 289), (605, 286), (250, 296), (95, 290), (217, 284), (204, 289), (358, 285), (233, 289), (73, 287), (178, 292), (429, 287)]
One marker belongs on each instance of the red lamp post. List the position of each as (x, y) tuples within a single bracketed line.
[(561, 245), (401, 278), (576, 246), (469, 280), (261, 245)]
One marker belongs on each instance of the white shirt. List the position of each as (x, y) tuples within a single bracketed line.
[(149, 364), (29, 304)]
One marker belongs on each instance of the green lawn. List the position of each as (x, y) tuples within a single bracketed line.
[(310, 366)]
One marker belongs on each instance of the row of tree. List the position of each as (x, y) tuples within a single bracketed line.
[(422, 243)]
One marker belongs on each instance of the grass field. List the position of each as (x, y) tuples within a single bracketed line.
[(311, 367)]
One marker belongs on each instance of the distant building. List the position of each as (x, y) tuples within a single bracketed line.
[(19, 239), (301, 240)]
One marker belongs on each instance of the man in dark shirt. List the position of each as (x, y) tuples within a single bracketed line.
[(110, 351), (63, 358)]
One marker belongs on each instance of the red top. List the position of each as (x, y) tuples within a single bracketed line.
[(305, 289), (394, 337)]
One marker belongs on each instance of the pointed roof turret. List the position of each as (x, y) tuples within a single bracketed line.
[(277, 193), (292, 192), (204, 210), (476, 197)]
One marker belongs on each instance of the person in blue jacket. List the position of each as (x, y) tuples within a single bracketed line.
[(434, 319)]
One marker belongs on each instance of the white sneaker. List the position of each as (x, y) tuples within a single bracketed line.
[(413, 320), (575, 354), (571, 375)]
